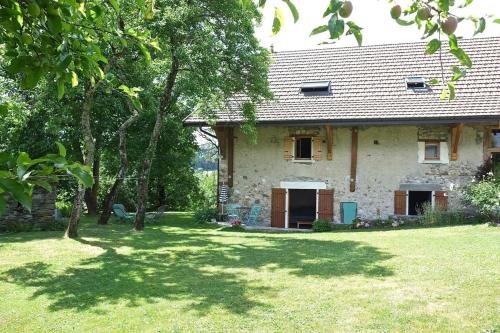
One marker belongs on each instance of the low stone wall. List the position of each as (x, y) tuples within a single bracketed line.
[(42, 212)]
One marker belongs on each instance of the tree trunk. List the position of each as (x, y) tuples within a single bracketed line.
[(89, 144), (91, 194), (113, 192), (142, 186), (162, 195)]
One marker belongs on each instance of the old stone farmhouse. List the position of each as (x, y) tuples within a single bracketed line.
[(361, 125)]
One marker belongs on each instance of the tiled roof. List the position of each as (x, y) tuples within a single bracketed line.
[(368, 84)]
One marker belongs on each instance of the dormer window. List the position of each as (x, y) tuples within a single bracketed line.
[(315, 88), (417, 84)]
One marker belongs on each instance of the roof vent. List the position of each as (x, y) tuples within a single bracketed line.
[(416, 83), (315, 88)]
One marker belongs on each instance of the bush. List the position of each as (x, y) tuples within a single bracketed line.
[(485, 196), (59, 225), (65, 208), (322, 225), (205, 214), (17, 226), (439, 216)]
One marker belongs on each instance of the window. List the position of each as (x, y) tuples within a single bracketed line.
[(417, 84), (315, 88), (432, 150), (303, 148)]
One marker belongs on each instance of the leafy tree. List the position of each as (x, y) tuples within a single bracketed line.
[(211, 57)]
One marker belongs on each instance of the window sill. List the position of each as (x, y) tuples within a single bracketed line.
[(433, 162), (311, 161)]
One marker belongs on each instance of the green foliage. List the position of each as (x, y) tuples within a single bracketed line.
[(429, 216), (322, 225), (64, 207), (205, 214), (485, 196), (19, 174)]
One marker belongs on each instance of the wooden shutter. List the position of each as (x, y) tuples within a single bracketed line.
[(288, 148), (400, 202), (317, 145), (441, 200), (278, 207), (325, 205)]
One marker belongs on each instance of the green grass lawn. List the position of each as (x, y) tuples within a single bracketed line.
[(181, 277)]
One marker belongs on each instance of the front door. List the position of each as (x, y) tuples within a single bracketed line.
[(278, 207)]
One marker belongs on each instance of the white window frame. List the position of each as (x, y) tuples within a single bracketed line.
[(444, 153)]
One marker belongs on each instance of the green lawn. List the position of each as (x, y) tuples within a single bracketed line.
[(180, 277)]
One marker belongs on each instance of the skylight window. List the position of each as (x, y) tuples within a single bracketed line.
[(315, 87), (416, 83)]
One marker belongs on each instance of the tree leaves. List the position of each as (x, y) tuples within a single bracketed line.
[(480, 26), (318, 30), (497, 21), (336, 27), (462, 57), (278, 21), (355, 30), (433, 46), (293, 10)]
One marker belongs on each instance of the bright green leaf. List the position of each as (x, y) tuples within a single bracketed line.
[(462, 57), (61, 148), (278, 21), (481, 26), (451, 88), (318, 30), (453, 42), (74, 79), (497, 21), (433, 46), (404, 22)]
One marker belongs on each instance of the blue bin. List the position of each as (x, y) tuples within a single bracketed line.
[(348, 212)]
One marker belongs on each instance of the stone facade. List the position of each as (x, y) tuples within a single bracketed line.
[(387, 161), (42, 212)]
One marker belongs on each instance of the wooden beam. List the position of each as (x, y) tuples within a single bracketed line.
[(354, 158), (456, 133), (230, 156), (487, 144), (329, 142), (221, 134)]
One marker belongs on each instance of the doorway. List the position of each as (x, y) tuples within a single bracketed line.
[(417, 200), (301, 208)]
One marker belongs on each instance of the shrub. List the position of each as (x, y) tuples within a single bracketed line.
[(439, 216), (17, 226), (205, 214), (485, 196), (64, 207), (322, 225)]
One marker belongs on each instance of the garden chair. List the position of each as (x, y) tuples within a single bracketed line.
[(121, 213), (233, 212), (253, 214), (156, 216)]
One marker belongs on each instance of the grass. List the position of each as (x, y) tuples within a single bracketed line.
[(181, 277)]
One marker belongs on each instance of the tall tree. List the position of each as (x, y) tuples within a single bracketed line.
[(213, 54)]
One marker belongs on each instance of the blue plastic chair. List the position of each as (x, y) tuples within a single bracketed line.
[(233, 212), (121, 213), (253, 214)]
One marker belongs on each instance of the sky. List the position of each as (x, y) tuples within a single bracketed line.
[(372, 15)]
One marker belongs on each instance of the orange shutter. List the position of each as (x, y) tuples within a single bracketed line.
[(317, 148), (441, 200), (278, 207), (288, 148), (325, 205), (400, 202)]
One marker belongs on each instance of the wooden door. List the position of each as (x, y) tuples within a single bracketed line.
[(441, 200), (325, 205), (278, 207), (400, 203)]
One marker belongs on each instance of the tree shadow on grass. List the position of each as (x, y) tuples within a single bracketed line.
[(203, 269)]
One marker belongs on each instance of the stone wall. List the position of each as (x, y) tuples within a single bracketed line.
[(42, 211), (387, 161)]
